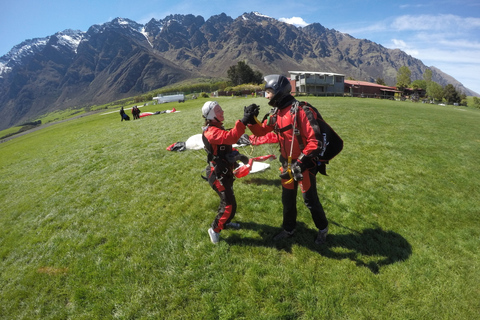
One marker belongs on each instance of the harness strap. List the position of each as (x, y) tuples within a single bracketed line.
[(286, 128), (296, 132)]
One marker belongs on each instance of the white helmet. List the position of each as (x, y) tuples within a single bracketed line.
[(211, 110)]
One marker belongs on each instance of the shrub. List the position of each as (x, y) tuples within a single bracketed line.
[(476, 102)]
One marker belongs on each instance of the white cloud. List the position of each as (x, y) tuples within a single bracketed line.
[(414, 6), (454, 58), (402, 45), (434, 22), (296, 21), (461, 43), (448, 55)]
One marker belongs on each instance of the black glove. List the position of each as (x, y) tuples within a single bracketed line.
[(250, 114), (235, 156), (253, 108), (297, 171), (243, 158), (305, 162), (285, 175), (297, 168)]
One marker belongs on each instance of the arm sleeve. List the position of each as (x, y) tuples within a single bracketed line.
[(218, 136), (260, 130)]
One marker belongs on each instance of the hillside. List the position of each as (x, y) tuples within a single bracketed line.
[(123, 58)]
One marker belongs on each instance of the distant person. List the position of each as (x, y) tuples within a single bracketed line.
[(124, 115), (298, 142), (122, 112), (221, 163), (135, 112)]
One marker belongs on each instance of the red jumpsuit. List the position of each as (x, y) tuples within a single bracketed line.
[(218, 143), (282, 122)]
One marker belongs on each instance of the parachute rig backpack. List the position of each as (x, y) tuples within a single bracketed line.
[(331, 143)]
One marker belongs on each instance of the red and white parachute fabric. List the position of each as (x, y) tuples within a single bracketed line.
[(254, 165), (263, 158), (244, 169)]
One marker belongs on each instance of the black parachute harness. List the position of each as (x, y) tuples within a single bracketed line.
[(272, 120), (225, 159), (321, 138)]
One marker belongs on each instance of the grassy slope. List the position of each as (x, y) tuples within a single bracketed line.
[(98, 220)]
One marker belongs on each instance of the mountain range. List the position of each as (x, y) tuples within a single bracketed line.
[(123, 58)]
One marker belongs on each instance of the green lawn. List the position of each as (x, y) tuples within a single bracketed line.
[(99, 221)]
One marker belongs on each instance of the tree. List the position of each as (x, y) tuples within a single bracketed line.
[(427, 76), (419, 84), (463, 99), (476, 102), (242, 73), (403, 78), (451, 94), (435, 91), (381, 82)]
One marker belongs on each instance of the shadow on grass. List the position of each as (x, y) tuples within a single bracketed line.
[(262, 181), (372, 248)]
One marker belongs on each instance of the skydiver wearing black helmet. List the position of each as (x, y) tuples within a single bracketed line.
[(299, 145)]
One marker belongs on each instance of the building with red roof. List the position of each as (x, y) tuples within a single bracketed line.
[(364, 89)]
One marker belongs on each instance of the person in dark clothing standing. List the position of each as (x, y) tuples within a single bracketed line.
[(135, 112), (221, 163), (124, 115), (293, 124)]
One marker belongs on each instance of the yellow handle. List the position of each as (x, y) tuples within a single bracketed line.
[(289, 170)]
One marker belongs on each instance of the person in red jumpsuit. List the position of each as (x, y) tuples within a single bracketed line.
[(222, 159), (291, 127)]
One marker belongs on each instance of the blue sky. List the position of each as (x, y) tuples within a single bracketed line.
[(444, 34)]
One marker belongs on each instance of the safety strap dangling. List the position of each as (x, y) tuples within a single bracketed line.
[(289, 161)]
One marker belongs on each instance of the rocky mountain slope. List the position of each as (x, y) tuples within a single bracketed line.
[(123, 58)]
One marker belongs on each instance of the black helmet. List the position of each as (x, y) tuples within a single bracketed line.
[(280, 85)]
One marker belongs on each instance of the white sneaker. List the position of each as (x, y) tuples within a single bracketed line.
[(214, 236)]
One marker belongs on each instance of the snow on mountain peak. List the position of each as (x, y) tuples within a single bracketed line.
[(70, 38), (122, 21), (254, 14), (21, 51), (67, 38), (145, 33), (260, 15)]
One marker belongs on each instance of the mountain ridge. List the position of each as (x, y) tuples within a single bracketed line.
[(123, 58)]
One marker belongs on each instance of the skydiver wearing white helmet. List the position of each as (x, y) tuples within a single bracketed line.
[(222, 160)]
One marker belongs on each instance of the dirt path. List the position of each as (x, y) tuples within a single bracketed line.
[(48, 124)]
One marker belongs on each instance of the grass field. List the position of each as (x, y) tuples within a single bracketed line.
[(99, 221)]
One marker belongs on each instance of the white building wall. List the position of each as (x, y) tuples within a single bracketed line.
[(318, 83)]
